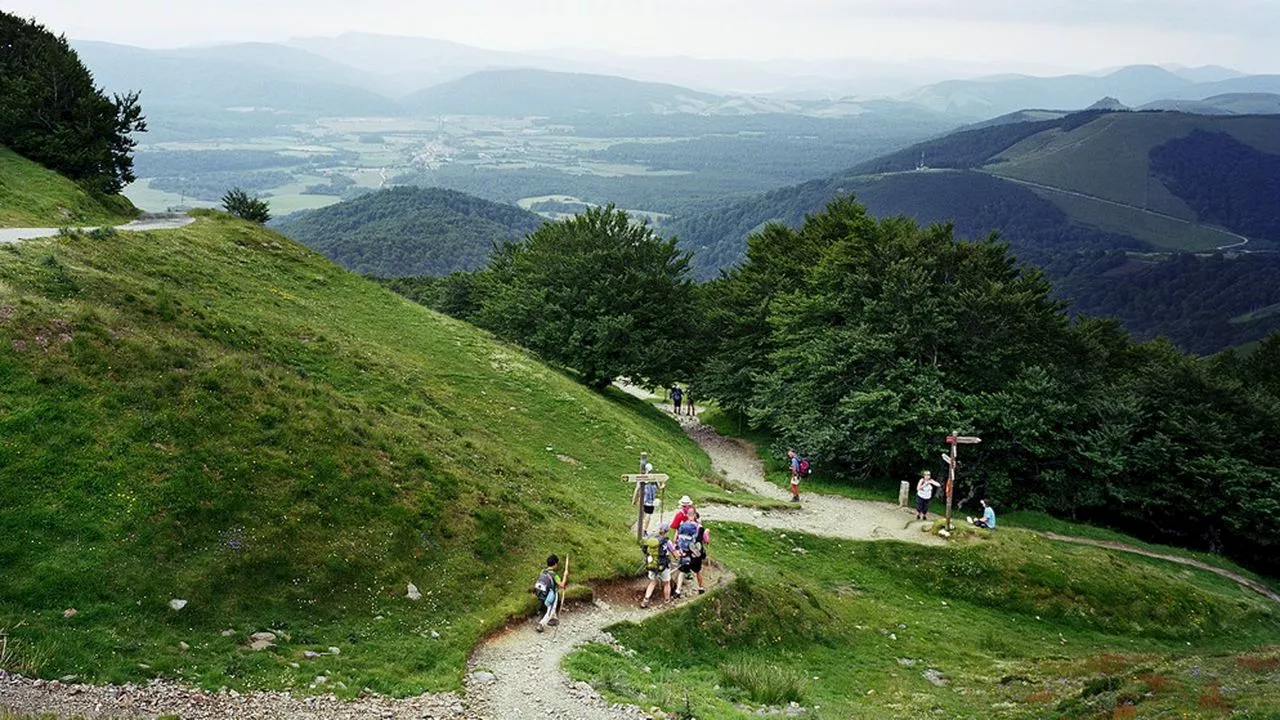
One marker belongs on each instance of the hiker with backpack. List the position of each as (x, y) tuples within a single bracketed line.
[(547, 588), (647, 495), (676, 395), (658, 551), (795, 463), (691, 542), (924, 493)]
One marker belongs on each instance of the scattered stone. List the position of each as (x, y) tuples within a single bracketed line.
[(908, 662), (320, 680), (413, 593), (435, 635), (335, 650), (268, 636), (228, 633), (69, 613), (934, 677), (944, 533), (483, 677), (799, 551), (177, 603), (311, 654), (184, 646), (260, 645)]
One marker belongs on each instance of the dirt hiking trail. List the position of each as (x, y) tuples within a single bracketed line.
[(827, 515), (516, 673)]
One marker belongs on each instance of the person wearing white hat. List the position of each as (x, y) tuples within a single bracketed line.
[(686, 513)]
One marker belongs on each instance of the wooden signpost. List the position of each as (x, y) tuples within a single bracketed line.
[(955, 440), (639, 481)]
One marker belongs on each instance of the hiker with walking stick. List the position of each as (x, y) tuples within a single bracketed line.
[(549, 587)]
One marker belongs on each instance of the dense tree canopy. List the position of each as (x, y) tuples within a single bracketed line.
[(863, 342), (598, 293), (53, 114)]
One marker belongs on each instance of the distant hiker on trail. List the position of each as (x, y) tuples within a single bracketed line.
[(924, 493), (647, 495), (688, 401), (988, 519), (547, 588), (657, 561), (686, 512), (794, 462), (676, 395), (692, 543)]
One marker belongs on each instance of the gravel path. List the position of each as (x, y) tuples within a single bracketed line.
[(516, 674), (40, 697), (828, 515), (150, 221)]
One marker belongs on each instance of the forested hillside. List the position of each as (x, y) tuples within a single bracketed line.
[(410, 231), (1096, 181)]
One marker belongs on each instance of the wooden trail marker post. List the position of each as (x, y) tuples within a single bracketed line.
[(955, 439), (639, 480)]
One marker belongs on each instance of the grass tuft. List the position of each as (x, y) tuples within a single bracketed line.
[(763, 682)]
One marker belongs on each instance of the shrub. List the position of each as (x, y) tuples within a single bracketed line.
[(239, 203)]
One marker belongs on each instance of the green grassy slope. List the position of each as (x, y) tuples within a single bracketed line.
[(1009, 626), (31, 196), (217, 414)]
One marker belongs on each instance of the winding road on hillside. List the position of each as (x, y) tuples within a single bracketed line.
[(1238, 245), (144, 223)]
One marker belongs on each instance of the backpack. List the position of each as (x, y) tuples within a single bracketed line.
[(687, 535), (806, 467), (543, 586), (655, 553)]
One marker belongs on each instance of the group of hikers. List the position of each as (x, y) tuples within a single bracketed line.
[(687, 551), (925, 488), (681, 546)]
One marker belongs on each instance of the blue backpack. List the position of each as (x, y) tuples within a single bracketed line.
[(686, 536)]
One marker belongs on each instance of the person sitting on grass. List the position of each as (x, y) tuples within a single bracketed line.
[(548, 588), (988, 519), (657, 561)]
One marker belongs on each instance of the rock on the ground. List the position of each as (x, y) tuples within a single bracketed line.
[(413, 593)]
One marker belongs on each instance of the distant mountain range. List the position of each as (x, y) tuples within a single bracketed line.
[(1133, 86), (367, 75)]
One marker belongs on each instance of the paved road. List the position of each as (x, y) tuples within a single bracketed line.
[(152, 221), (1239, 244)]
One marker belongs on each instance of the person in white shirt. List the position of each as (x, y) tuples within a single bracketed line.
[(924, 493)]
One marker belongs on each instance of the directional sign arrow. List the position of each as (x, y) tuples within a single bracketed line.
[(968, 439), (946, 458)]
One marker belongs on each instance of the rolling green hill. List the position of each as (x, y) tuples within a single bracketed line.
[(410, 231), (31, 196), (219, 415)]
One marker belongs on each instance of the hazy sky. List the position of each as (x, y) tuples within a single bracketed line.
[(1064, 33)]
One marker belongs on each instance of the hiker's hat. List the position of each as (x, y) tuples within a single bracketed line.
[(648, 468), (685, 501)]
